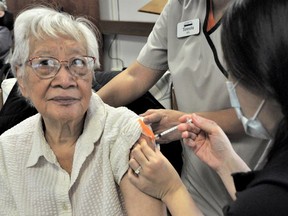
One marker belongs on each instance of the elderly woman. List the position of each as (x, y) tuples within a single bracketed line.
[(255, 47), (72, 157)]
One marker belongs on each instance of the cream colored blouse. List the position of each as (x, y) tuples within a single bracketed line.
[(33, 183)]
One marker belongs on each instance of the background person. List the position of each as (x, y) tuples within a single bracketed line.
[(6, 17), (6, 26), (195, 61), (72, 157), (258, 91)]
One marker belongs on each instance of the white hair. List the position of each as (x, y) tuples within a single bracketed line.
[(43, 22)]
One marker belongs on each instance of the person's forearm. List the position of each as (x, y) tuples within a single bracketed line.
[(115, 93), (129, 85), (233, 165), (180, 203), (227, 120)]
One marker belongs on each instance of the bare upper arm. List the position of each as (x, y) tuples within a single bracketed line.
[(138, 203)]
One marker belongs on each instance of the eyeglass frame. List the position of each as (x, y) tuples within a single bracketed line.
[(60, 65)]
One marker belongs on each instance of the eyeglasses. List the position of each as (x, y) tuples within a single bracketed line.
[(47, 67)]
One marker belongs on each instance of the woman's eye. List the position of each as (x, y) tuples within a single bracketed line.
[(78, 62), (46, 62), (43, 63)]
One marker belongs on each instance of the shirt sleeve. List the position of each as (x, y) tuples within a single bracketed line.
[(126, 132), (154, 53)]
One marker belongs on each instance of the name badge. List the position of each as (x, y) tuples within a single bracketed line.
[(187, 28)]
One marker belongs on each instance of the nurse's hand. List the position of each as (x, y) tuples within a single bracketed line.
[(154, 173), (161, 120), (211, 144)]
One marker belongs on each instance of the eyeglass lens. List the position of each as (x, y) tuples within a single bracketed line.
[(47, 67)]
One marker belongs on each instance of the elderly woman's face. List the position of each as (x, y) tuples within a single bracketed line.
[(63, 97)]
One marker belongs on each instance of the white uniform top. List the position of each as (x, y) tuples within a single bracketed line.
[(33, 183), (196, 66)]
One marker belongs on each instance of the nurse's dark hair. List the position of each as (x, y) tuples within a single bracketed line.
[(255, 46)]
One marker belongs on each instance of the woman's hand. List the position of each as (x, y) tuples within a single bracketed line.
[(163, 119), (210, 144), (156, 177), (153, 174), (213, 147)]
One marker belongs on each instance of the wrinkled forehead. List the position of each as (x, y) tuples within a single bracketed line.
[(55, 33), (49, 44)]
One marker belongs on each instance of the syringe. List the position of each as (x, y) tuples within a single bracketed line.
[(158, 136)]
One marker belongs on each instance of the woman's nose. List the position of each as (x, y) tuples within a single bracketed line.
[(64, 76)]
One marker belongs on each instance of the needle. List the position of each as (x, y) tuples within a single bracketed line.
[(158, 136)]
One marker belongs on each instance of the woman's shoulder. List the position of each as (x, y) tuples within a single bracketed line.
[(111, 117), (23, 128), (264, 195), (115, 113), (262, 192), (17, 140), (275, 173), (122, 118)]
